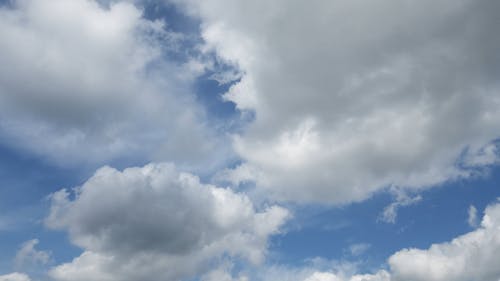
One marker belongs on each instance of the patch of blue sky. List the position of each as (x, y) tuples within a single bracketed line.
[(177, 21), (440, 216), (185, 29), (207, 90), (6, 3), (25, 183), (209, 93)]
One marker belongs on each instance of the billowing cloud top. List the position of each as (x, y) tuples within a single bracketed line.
[(153, 221), (354, 96)]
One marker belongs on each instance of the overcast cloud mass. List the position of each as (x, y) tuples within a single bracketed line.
[(232, 140)]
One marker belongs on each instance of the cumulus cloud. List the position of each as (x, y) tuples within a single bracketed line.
[(357, 96), (16, 276), (473, 256), (151, 222), (82, 82), (29, 255)]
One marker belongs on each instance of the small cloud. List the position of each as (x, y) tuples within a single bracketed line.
[(359, 248), (472, 219), (28, 255), (389, 214)]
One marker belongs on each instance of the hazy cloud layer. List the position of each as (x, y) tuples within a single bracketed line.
[(154, 222), (354, 96)]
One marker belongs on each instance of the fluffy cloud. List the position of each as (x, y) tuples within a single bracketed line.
[(15, 277), (153, 221), (473, 256), (85, 82), (354, 96)]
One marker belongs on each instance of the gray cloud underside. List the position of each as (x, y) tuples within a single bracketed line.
[(155, 222)]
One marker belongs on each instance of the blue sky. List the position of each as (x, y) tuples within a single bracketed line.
[(229, 141)]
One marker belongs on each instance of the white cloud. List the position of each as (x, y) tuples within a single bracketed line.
[(27, 254), (16, 276), (83, 83), (341, 271), (473, 256), (488, 155), (222, 274), (323, 276), (315, 269), (472, 216), (357, 96), (390, 213), (153, 221), (327, 276)]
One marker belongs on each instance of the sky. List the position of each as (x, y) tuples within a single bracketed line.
[(229, 140)]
